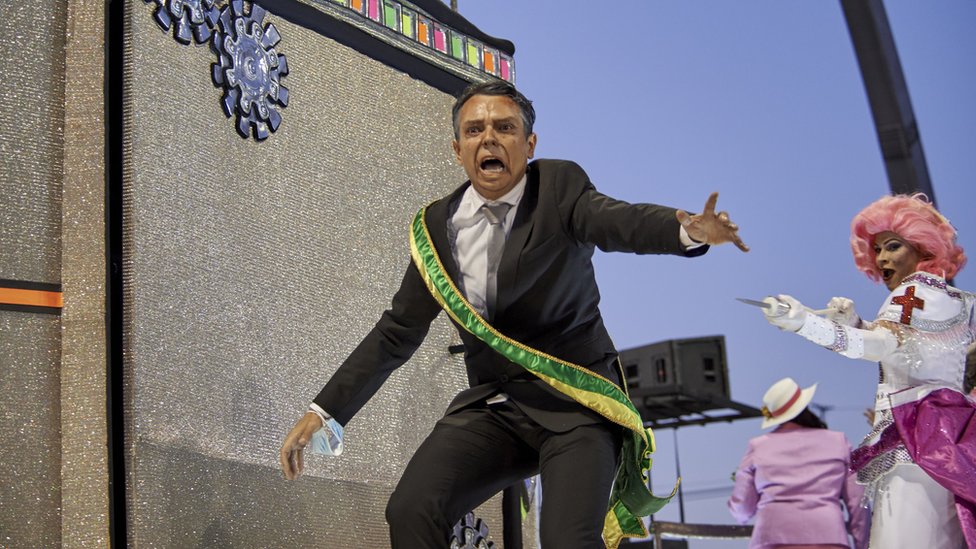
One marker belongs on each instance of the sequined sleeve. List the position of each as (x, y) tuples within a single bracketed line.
[(873, 345)]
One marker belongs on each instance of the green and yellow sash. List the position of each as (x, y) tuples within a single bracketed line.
[(630, 498)]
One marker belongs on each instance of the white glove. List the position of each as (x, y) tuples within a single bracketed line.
[(792, 319), (841, 311)]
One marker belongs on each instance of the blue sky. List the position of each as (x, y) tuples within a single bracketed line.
[(762, 101)]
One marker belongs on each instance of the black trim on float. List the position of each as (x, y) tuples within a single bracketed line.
[(115, 413), (30, 309), (28, 285)]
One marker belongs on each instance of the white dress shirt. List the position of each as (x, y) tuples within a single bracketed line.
[(469, 240)]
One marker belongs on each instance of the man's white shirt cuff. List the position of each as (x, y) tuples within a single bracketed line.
[(686, 240)]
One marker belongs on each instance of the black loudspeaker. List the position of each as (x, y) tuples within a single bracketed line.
[(678, 376), (677, 366)]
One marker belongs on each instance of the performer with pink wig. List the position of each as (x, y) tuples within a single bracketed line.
[(919, 460)]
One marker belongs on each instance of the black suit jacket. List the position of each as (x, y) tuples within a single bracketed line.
[(547, 297)]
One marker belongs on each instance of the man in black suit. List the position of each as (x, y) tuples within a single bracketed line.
[(541, 297)]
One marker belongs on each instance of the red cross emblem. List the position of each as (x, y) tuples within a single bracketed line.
[(908, 302)]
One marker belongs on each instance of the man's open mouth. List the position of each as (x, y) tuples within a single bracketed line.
[(492, 165), (886, 274)]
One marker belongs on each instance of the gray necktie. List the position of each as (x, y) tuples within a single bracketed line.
[(495, 214)]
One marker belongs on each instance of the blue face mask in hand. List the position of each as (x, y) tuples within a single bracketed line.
[(327, 440)]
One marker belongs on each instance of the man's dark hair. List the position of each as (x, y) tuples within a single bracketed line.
[(494, 87), (809, 419)]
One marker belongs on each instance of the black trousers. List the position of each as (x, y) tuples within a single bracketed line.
[(476, 452)]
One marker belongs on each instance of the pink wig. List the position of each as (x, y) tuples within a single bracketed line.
[(915, 220)]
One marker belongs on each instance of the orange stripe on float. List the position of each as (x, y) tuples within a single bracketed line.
[(35, 298)]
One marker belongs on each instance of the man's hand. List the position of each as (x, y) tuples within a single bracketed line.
[(711, 228), (293, 449)]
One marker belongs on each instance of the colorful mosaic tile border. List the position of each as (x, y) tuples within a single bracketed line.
[(415, 25)]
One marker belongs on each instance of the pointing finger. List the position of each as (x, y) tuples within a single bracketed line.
[(710, 204)]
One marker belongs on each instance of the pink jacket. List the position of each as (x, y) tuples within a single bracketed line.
[(793, 480)]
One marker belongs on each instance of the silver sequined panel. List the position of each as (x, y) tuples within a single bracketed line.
[(251, 271), (31, 140), (84, 377), (31, 145), (30, 472)]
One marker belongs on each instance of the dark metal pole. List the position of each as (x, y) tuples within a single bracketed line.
[(891, 106), (115, 22), (677, 467)]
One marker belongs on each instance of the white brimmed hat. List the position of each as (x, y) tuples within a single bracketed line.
[(784, 401)]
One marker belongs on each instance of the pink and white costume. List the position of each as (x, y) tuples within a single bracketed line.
[(919, 460)]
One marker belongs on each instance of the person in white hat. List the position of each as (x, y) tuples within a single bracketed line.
[(795, 480)]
